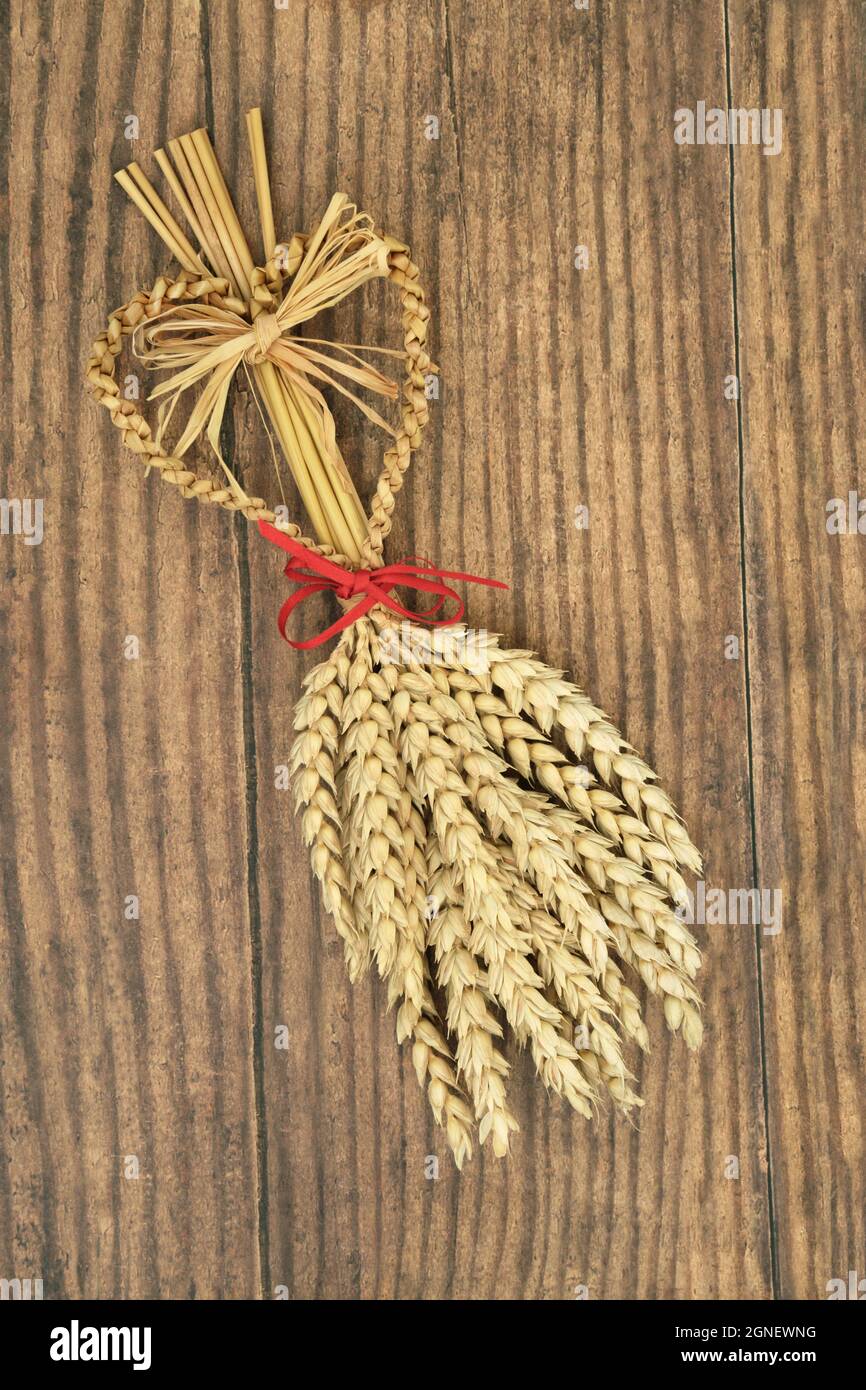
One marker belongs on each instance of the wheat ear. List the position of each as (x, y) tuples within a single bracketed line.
[(530, 686), (537, 758), (495, 937), (388, 864), (470, 1018), (314, 761), (540, 693), (549, 844)]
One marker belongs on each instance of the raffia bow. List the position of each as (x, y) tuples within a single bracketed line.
[(208, 341)]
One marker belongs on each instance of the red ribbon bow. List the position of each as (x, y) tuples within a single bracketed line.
[(371, 587)]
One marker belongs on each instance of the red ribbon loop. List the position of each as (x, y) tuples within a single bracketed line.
[(314, 573)]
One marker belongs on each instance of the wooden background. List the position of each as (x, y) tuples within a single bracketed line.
[(303, 1170)]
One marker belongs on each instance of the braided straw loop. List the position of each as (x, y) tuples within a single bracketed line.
[(189, 288)]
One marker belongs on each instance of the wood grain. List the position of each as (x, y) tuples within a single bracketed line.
[(303, 1169), (801, 264)]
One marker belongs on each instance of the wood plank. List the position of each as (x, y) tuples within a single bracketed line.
[(800, 266), (117, 777), (560, 387)]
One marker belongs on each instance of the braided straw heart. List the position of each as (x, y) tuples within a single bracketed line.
[(137, 435), (209, 341), (481, 831)]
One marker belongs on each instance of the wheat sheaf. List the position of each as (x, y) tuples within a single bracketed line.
[(483, 835)]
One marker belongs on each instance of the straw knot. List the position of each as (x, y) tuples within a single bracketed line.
[(267, 330)]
